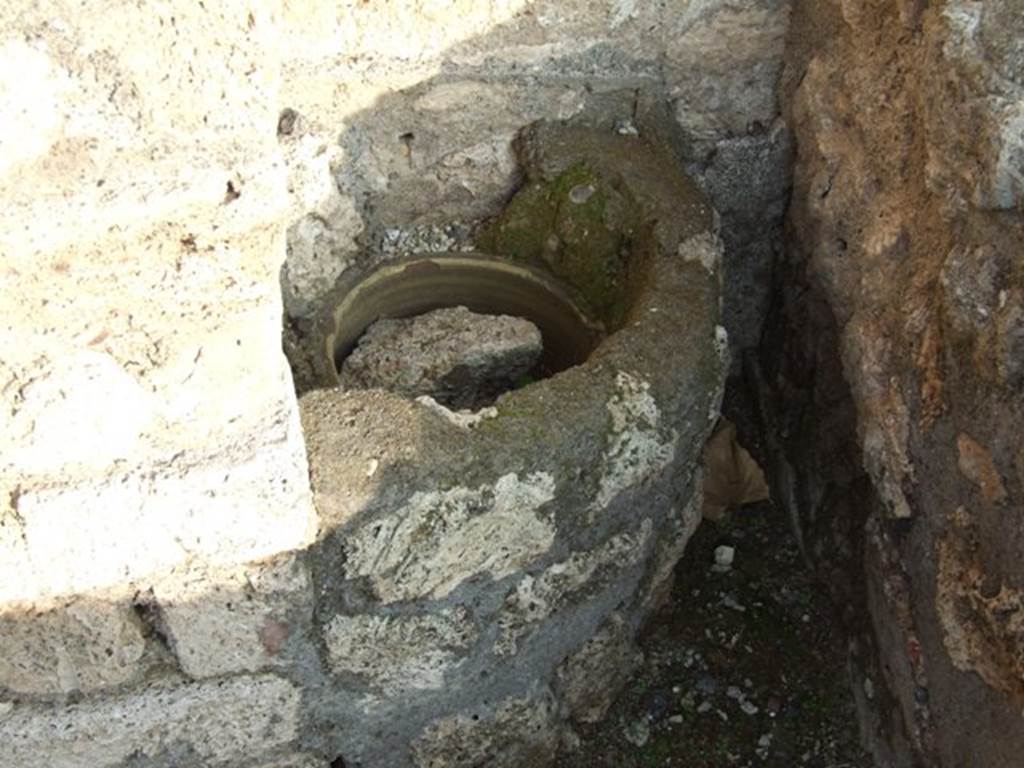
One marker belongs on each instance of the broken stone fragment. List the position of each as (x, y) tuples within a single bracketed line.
[(460, 358)]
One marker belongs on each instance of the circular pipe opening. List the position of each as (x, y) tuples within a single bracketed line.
[(479, 283)]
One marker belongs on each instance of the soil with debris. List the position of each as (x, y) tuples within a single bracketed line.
[(744, 666)]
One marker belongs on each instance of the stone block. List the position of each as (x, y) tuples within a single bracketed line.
[(240, 507), (581, 575), (517, 732), (80, 646), (223, 723), (87, 85), (242, 619), (460, 358), (399, 653), (722, 65), (670, 547), (439, 539)]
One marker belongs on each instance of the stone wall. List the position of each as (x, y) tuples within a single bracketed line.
[(891, 378), (166, 171)]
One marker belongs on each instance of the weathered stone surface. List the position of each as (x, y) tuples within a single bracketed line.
[(223, 621), (297, 761), (323, 239), (670, 547), (231, 508), (889, 362), (971, 43), (589, 679), (976, 464), (399, 653), (527, 518), (982, 623), (81, 646), (747, 179), (455, 534), (142, 235), (517, 732), (639, 445), (723, 62), (458, 357), (536, 598), (224, 723)]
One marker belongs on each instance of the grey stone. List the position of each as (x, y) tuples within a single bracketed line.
[(455, 534), (536, 598), (748, 179), (590, 678), (722, 65), (297, 761), (517, 732), (399, 653), (638, 732), (458, 357), (527, 517)]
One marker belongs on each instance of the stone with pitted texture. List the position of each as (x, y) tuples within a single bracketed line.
[(460, 358)]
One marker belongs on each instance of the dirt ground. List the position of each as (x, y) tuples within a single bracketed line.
[(742, 668)]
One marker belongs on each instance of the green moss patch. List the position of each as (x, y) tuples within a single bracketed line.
[(581, 227)]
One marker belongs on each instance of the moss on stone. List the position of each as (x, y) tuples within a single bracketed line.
[(580, 226)]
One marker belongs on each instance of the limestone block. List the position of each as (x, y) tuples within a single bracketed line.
[(140, 385), (325, 223), (403, 31), (242, 619), (517, 732), (119, 95), (223, 723), (590, 678), (722, 64), (399, 653), (67, 399), (438, 539), (83, 645), (458, 357), (242, 506), (581, 575)]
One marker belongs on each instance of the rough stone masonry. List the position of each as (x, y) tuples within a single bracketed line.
[(166, 170)]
